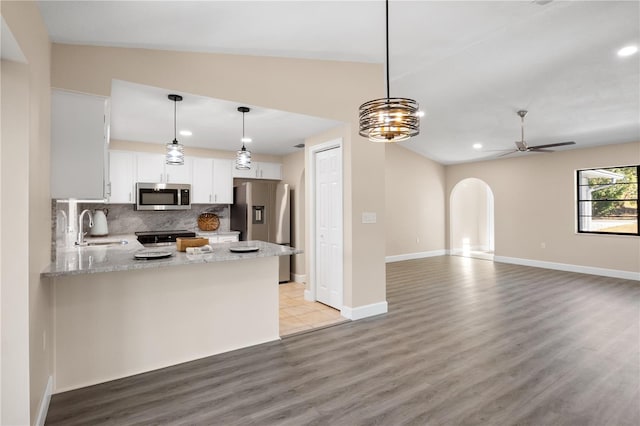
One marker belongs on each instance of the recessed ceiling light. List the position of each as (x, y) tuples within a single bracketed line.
[(628, 50), (186, 132), (477, 146)]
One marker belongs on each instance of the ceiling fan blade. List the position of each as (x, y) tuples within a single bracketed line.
[(551, 145), (533, 149), (508, 153)]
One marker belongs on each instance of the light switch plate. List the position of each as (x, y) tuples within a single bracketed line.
[(369, 217)]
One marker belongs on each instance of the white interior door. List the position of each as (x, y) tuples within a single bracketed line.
[(328, 213)]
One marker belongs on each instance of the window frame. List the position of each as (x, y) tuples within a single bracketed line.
[(579, 200)]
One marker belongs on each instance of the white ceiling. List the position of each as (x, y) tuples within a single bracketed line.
[(471, 65), (145, 114)]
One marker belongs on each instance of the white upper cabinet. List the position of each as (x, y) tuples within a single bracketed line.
[(222, 181), (79, 142), (260, 170), (212, 181), (202, 182), (270, 171), (152, 168), (121, 189)]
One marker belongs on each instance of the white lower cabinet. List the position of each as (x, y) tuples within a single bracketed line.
[(121, 188)]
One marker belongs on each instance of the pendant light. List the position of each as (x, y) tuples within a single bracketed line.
[(243, 157), (389, 119), (175, 154)]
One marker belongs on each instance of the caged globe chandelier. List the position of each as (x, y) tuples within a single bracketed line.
[(389, 119), (243, 157), (175, 151)]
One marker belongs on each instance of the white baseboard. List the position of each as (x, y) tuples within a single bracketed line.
[(360, 312), (614, 273), (299, 278), (44, 403), (308, 296), (411, 256)]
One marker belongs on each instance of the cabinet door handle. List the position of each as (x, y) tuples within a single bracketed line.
[(167, 178), (209, 197), (161, 177), (215, 198), (129, 196)]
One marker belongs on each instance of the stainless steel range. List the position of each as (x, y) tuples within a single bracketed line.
[(162, 238)]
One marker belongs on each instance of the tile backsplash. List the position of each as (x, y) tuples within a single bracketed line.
[(123, 219)]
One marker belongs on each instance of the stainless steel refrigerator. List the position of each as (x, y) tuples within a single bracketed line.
[(261, 211)]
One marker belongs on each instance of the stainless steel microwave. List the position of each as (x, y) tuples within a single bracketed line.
[(163, 196)]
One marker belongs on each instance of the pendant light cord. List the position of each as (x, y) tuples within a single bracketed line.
[(387, 31), (243, 129), (175, 139)]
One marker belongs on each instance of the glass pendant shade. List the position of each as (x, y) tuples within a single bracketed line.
[(175, 151), (389, 119), (243, 157)]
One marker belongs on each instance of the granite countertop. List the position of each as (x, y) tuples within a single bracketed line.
[(120, 257)]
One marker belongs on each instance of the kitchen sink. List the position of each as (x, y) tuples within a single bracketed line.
[(108, 243)]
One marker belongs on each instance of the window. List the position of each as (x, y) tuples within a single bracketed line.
[(608, 200)]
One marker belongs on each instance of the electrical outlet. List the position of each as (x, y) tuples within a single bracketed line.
[(369, 217), (417, 240), (543, 245)]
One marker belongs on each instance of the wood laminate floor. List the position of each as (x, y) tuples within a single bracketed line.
[(465, 342)]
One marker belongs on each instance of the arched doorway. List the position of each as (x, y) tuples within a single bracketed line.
[(471, 219)]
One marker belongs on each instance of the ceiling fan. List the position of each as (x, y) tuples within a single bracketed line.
[(521, 145)]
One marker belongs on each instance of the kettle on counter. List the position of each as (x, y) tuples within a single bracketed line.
[(100, 228)]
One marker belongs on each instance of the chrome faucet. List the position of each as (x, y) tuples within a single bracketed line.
[(80, 240)]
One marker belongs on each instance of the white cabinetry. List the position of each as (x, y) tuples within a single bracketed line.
[(212, 181), (122, 174), (260, 170), (222, 181), (79, 140), (152, 168)]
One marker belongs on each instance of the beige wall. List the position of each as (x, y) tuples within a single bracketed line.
[(293, 173), (24, 20), (535, 199), (415, 196), (303, 86)]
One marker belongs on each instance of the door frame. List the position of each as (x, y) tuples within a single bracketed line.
[(310, 293)]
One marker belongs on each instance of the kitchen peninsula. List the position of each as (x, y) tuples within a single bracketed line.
[(115, 316)]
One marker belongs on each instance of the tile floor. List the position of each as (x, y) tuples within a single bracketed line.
[(298, 315)]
